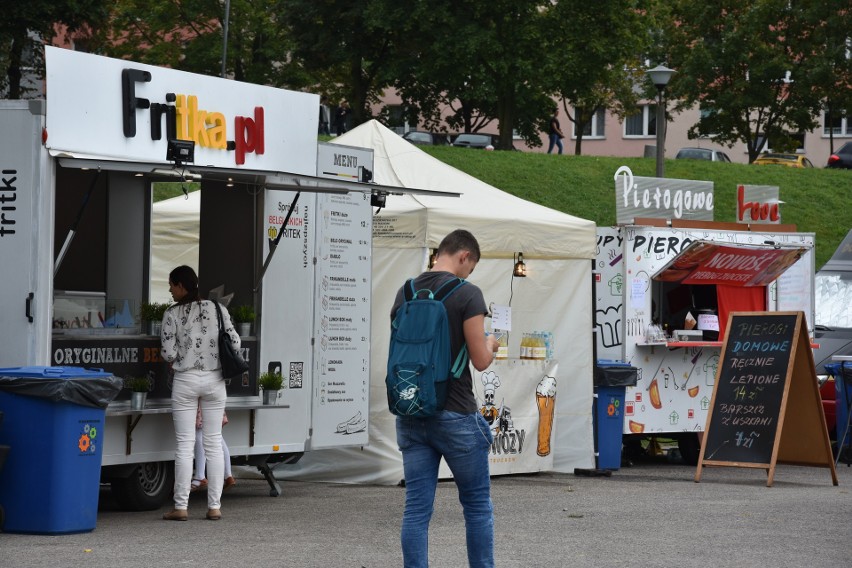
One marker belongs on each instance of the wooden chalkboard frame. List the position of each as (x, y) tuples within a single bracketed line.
[(800, 437)]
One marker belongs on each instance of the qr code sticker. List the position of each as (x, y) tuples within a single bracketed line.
[(296, 370)]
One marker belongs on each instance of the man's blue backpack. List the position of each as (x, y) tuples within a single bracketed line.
[(419, 360)]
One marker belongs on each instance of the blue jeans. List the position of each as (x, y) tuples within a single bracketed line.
[(555, 140), (464, 441)]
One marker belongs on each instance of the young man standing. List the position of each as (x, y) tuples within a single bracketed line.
[(458, 433)]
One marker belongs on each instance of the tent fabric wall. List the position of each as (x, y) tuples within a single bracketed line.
[(555, 296), (174, 240)]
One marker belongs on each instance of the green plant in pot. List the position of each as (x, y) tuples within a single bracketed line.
[(151, 314), (243, 316), (271, 383), (139, 387)]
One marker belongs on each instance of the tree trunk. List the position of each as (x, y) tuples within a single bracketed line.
[(13, 71), (506, 119)]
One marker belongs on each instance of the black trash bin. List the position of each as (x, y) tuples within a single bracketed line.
[(53, 423), (611, 379)]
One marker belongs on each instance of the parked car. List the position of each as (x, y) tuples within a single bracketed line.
[(702, 154), (841, 158), (790, 160), (476, 140), (426, 138)]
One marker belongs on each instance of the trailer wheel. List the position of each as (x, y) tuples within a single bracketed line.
[(689, 448), (148, 486)]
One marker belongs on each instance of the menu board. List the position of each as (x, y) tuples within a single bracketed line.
[(766, 407), (342, 325), (752, 377)]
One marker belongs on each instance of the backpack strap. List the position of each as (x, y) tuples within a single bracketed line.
[(408, 290), (447, 288), (460, 363)]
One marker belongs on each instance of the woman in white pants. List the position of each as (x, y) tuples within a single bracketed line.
[(190, 338)]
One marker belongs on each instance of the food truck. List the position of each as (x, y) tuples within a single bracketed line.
[(285, 227), (666, 280)]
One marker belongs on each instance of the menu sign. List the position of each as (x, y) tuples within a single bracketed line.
[(342, 350), (752, 379), (766, 369)]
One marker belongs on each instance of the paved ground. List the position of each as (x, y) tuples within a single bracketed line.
[(649, 515)]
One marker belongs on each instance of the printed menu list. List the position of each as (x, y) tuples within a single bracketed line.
[(343, 277), (750, 388)]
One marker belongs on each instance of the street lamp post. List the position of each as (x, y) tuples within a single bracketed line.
[(660, 76)]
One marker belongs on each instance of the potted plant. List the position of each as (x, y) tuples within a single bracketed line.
[(243, 316), (271, 383), (139, 387), (151, 313)]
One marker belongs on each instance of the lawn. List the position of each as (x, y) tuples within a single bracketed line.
[(815, 200)]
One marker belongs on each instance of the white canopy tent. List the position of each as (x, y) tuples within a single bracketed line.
[(555, 296)]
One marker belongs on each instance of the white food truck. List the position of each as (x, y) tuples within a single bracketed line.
[(284, 227), (664, 288)]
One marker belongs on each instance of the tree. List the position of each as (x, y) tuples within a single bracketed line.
[(830, 24), (480, 58), (346, 45), (748, 64), (188, 35), (592, 58), (26, 26)]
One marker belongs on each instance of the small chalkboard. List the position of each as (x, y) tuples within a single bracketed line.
[(766, 365)]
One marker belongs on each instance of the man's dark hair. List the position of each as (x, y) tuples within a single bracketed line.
[(186, 276), (459, 240)]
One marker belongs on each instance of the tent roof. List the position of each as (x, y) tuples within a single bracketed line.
[(502, 223)]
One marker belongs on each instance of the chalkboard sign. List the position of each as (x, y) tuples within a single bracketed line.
[(752, 376), (766, 407)]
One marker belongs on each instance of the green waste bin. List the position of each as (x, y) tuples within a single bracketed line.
[(53, 425)]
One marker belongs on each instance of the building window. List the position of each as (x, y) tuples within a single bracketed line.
[(595, 127), (840, 124), (791, 140), (643, 123)]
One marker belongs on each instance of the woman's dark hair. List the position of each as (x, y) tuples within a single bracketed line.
[(186, 276)]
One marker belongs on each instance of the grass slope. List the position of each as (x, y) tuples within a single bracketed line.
[(815, 200)]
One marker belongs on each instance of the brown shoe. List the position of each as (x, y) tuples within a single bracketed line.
[(202, 485), (229, 482), (213, 514), (175, 515)]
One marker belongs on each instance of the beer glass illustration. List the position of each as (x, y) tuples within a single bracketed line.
[(545, 398)]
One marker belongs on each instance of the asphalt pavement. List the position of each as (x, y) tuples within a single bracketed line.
[(651, 514)]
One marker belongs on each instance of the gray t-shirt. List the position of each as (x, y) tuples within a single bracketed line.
[(463, 304)]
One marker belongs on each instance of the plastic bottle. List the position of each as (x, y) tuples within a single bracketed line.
[(539, 350), (525, 346), (502, 347)]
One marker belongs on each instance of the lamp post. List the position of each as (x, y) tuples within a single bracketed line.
[(660, 76)]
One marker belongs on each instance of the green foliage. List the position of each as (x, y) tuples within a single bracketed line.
[(25, 27), (816, 200), (755, 74), (152, 311), (242, 314), (168, 189), (598, 73), (137, 384), (188, 35), (270, 381)]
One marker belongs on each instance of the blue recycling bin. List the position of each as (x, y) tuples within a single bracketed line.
[(53, 425), (610, 381), (842, 373)]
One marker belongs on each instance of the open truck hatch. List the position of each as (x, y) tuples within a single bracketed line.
[(707, 262)]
